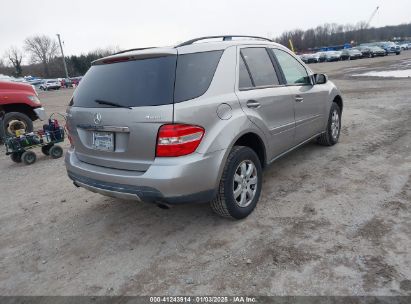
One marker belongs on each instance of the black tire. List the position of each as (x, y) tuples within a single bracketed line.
[(224, 204), (16, 157), (327, 138), (29, 157), (13, 120), (45, 150), (56, 152)]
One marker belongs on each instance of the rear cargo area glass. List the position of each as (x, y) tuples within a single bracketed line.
[(147, 82), (137, 83)]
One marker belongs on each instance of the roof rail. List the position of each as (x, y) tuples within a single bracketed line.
[(225, 38), (138, 49)]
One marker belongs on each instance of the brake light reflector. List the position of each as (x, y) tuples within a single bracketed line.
[(66, 126), (178, 139), (116, 59)]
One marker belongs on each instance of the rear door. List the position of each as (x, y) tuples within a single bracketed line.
[(309, 101), (266, 102), (117, 109)]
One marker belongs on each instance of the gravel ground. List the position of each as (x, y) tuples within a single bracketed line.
[(330, 221)]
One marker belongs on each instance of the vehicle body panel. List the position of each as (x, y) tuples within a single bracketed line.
[(13, 92)]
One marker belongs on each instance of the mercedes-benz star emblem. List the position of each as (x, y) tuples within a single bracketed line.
[(97, 118)]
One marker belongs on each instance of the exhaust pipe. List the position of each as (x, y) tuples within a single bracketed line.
[(75, 184), (163, 206)]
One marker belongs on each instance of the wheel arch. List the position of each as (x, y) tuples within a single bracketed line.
[(255, 142), (339, 101), (21, 108)]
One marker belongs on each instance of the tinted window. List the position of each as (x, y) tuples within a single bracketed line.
[(244, 80), (194, 74), (147, 82), (260, 65), (293, 70)]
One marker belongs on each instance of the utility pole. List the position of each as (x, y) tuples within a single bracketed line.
[(62, 54)]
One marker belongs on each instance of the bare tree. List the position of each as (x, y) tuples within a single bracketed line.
[(42, 50), (15, 56)]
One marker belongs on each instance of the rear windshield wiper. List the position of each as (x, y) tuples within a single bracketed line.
[(110, 103)]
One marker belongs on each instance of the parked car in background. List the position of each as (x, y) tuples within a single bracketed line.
[(332, 56), (390, 47), (315, 58), (22, 106), (304, 57), (321, 56), (404, 46), (75, 80), (66, 83), (365, 51), (50, 84), (350, 54), (376, 51), (196, 122)]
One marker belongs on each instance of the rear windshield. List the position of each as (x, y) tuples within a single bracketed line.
[(148, 82)]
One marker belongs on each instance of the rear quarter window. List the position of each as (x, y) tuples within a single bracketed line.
[(194, 74)]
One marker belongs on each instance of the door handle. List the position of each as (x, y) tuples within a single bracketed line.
[(253, 104), (298, 98)]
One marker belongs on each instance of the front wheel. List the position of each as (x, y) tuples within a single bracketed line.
[(332, 133), (240, 185), (14, 121)]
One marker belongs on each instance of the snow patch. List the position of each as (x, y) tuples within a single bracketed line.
[(395, 74)]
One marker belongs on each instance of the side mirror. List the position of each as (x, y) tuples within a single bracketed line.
[(320, 78)]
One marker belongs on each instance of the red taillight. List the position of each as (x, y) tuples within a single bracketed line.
[(68, 134), (178, 140)]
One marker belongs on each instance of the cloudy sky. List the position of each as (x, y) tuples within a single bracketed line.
[(90, 24)]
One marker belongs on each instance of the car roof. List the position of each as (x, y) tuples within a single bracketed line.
[(195, 47)]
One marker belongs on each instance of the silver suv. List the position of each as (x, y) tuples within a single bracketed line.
[(196, 122)]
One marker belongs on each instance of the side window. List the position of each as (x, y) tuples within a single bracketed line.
[(260, 66), (244, 80), (293, 71), (194, 74)]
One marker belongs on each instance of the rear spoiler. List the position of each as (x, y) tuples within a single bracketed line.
[(136, 54)]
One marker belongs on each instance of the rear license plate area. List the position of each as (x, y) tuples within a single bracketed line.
[(103, 141)]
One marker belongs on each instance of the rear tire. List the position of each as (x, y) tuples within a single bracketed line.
[(240, 185), (332, 134), (56, 152), (29, 157)]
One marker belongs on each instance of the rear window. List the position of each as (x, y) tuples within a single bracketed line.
[(194, 74), (148, 82)]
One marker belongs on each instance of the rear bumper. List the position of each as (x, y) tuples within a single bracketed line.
[(188, 179)]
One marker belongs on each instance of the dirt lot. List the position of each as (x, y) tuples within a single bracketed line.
[(331, 221)]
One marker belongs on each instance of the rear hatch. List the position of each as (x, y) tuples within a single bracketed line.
[(118, 107)]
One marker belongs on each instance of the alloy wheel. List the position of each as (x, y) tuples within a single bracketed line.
[(335, 124), (245, 183)]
